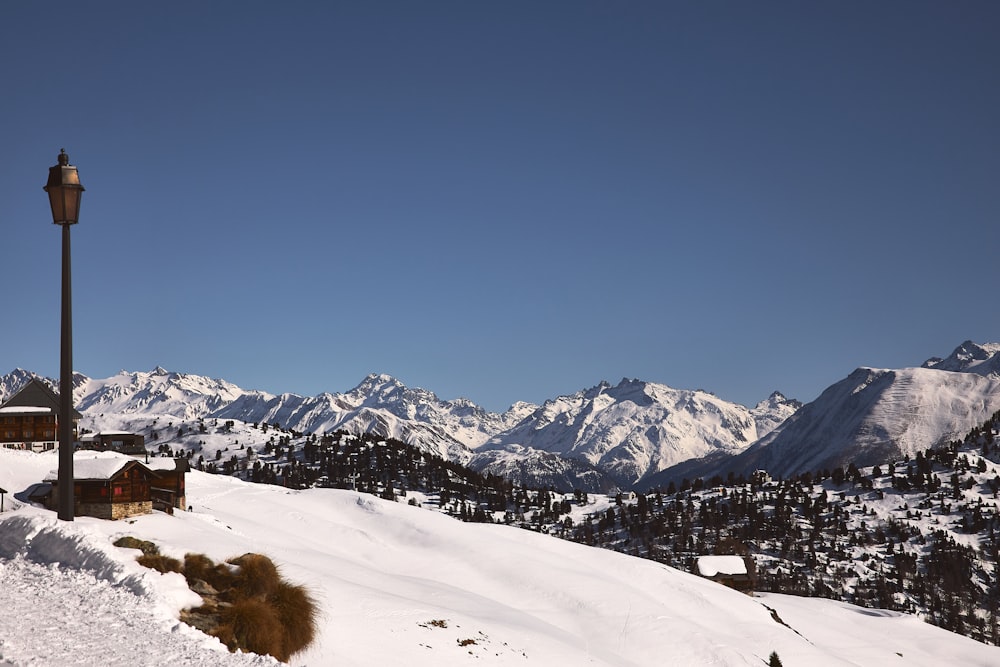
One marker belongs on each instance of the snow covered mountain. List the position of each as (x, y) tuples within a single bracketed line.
[(635, 428), (593, 440), (770, 413), (537, 469), (384, 406), (158, 392), (970, 357), (380, 405), (871, 416), (634, 433), (11, 382)]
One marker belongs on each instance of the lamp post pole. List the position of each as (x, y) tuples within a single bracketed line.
[(66, 387), (65, 192)]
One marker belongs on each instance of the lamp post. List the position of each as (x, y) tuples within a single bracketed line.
[(65, 192)]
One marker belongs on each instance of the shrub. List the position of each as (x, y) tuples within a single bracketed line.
[(257, 576), (297, 613), (252, 624), (200, 566), (160, 563), (249, 606), (197, 566)]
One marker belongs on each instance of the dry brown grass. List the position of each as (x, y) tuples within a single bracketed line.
[(251, 624), (198, 566), (254, 609), (298, 614), (160, 563), (257, 576), (201, 567)]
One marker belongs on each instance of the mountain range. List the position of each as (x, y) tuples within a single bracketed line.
[(635, 434), (869, 417)]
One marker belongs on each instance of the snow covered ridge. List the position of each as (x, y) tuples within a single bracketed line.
[(403, 584), (970, 357), (871, 416), (633, 434), (613, 434), (636, 429)]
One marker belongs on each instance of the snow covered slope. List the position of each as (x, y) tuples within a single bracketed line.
[(403, 585), (876, 415), (872, 416)]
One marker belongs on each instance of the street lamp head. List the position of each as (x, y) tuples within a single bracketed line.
[(64, 191)]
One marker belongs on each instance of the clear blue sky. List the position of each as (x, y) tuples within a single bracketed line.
[(504, 200)]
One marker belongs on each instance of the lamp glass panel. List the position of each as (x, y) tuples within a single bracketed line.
[(65, 203)]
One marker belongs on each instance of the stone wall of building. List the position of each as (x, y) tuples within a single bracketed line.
[(114, 510), (122, 510)]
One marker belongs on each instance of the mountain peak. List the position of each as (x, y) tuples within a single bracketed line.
[(775, 399), (374, 380), (773, 411), (969, 357)]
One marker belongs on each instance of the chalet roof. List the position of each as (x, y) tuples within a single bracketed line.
[(710, 566), (98, 466), (36, 394), (91, 437), (25, 410), (168, 463)]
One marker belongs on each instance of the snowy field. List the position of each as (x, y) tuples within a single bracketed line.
[(402, 585)]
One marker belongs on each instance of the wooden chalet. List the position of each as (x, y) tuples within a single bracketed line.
[(133, 444), (111, 486), (30, 418), (168, 491), (731, 570)]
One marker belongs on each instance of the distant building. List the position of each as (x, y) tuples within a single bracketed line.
[(132, 444), (732, 571), (30, 418)]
